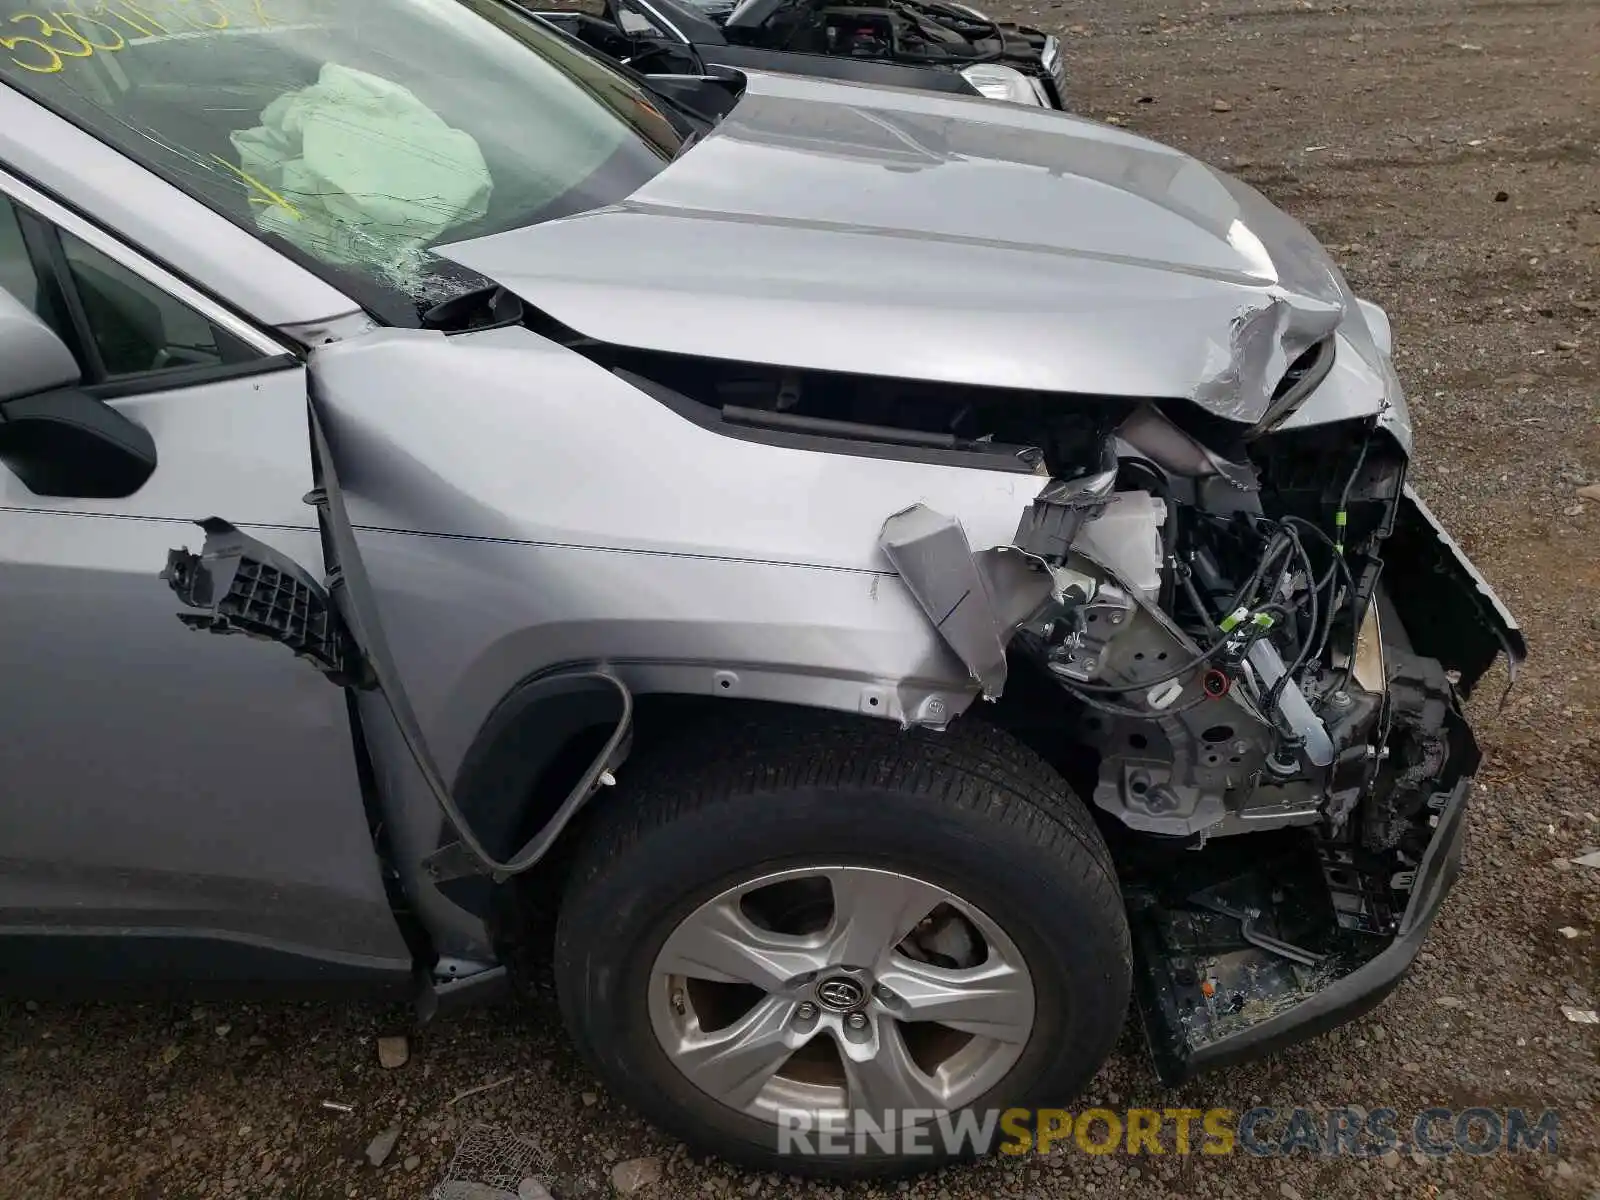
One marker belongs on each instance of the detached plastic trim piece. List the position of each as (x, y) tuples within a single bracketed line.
[(242, 585)]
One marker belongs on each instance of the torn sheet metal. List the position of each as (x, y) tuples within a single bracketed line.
[(1262, 342), (974, 601)]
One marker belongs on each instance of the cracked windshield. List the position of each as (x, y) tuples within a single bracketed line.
[(355, 135)]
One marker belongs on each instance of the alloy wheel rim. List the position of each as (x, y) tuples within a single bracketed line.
[(852, 994)]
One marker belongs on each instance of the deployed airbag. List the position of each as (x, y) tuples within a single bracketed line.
[(354, 169)]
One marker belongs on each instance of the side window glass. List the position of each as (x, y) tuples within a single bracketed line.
[(17, 275), (119, 325), (135, 328)]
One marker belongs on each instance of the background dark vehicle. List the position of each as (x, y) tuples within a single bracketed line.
[(933, 45)]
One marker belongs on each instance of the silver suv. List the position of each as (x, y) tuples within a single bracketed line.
[(846, 586)]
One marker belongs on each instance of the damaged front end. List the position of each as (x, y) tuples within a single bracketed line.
[(1222, 613), (1239, 633)]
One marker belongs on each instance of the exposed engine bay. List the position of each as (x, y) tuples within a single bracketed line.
[(1220, 620)]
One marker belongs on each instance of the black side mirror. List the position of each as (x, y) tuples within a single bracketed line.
[(58, 440), (710, 95), (67, 443)]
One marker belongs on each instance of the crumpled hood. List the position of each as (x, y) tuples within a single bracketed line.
[(834, 227)]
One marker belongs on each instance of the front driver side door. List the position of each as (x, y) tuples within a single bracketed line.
[(172, 804)]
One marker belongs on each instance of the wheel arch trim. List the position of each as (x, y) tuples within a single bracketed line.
[(536, 721)]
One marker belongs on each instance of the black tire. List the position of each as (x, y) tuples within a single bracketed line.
[(971, 810)]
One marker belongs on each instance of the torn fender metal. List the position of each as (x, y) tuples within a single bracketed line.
[(1263, 341), (975, 601)]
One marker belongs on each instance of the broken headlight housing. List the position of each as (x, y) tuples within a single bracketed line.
[(997, 82)]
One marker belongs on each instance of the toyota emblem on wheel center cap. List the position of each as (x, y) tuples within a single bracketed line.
[(840, 993)]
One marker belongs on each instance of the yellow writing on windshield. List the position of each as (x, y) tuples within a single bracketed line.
[(43, 41), (265, 194)]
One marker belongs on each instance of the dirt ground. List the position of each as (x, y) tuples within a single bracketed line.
[(1447, 151)]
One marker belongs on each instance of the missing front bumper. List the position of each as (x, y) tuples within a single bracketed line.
[(1291, 1002)]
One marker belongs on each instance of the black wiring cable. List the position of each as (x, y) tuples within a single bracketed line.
[(1127, 710), (1355, 472), (1118, 689), (1274, 695), (1275, 547), (367, 628), (1355, 608), (1076, 689), (1283, 541), (1340, 515), (1186, 577), (1263, 564), (1336, 560), (1339, 565)]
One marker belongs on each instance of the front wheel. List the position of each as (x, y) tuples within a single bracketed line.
[(794, 949)]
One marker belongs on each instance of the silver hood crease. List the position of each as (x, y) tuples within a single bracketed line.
[(816, 211)]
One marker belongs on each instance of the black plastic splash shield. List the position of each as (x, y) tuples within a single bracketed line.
[(1448, 608)]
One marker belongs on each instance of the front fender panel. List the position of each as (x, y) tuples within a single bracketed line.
[(519, 507)]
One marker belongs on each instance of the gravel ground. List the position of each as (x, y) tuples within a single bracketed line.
[(1447, 151)]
